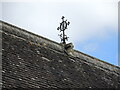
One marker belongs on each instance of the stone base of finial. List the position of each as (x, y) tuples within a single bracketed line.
[(68, 48)]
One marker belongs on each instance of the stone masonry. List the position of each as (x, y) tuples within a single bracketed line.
[(32, 61)]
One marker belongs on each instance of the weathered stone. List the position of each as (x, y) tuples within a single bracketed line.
[(32, 61)]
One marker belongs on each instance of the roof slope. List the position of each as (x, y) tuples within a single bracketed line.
[(32, 61)]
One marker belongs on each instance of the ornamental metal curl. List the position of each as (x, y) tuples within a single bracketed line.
[(63, 27)]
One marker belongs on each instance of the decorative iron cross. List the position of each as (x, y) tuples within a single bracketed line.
[(63, 27)]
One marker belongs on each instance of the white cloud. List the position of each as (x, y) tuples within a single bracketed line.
[(91, 47), (0, 10), (89, 19), (59, 0)]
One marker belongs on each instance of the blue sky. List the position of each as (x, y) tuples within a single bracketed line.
[(93, 29)]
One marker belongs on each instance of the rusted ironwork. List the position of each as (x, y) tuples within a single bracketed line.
[(63, 27)]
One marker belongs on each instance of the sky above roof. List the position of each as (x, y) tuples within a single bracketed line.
[(93, 25)]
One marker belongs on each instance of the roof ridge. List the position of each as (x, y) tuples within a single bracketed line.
[(12, 29)]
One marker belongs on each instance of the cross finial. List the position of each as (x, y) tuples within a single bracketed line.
[(63, 27)]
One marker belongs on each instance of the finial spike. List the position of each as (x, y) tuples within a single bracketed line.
[(63, 27)]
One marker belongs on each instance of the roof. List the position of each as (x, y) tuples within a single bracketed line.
[(32, 61)]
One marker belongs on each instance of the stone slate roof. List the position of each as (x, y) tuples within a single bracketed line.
[(32, 61)]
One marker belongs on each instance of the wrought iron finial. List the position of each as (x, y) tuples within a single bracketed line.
[(63, 27)]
